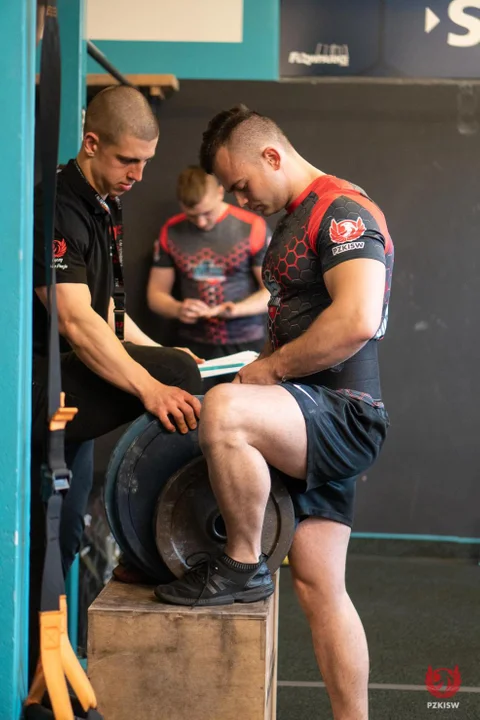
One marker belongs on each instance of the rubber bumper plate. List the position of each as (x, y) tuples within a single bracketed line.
[(189, 525)]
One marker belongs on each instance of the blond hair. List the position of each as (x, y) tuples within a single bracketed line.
[(192, 184)]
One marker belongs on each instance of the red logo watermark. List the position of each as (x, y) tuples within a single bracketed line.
[(59, 248), (443, 683)]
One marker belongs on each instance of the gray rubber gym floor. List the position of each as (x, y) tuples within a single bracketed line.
[(417, 612)]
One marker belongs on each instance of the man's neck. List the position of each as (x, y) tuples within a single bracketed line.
[(301, 174), (85, 166), (223, 209)]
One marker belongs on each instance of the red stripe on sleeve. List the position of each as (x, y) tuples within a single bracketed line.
[(163, 238), (345, 189)]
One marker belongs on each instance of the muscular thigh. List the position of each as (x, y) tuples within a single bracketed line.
[(266, 416)]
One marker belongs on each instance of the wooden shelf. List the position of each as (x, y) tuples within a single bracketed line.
[(157, 85)]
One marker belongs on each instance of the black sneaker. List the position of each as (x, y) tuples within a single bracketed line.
[(219, 581)]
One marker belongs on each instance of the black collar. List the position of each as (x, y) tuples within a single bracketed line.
[(81, 186)]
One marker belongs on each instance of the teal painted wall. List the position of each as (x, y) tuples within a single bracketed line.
[(256, 58), (17, 68), (71, 19)]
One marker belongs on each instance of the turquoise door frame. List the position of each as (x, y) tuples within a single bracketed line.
[(17, 72), (17, 121)]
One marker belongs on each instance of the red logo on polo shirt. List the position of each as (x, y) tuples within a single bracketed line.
[(59, 248), (346, 230)]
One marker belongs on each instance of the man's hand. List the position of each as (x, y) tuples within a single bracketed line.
[(259, 372), (198, 360), (224, 310), (191, 310), (164, 401)]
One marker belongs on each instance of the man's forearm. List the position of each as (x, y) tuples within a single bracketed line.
[(135, 335), (97, 346), (132, 332), (330, 340), (254, 304), (164, 304)]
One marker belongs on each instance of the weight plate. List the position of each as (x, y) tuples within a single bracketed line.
[(150, 460), (111, 478), (189, 525)]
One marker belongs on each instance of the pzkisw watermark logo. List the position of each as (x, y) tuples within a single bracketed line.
[(443, 683)]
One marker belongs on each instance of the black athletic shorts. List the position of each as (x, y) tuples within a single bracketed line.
[(345, 433)]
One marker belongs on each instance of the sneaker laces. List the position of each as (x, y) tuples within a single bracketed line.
[(200, 573)]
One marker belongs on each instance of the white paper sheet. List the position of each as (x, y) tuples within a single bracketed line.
[(228, 364)]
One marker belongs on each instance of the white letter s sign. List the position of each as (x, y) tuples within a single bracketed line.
[(457, 14)]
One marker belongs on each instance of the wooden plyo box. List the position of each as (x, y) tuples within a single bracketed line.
[(152, 661)]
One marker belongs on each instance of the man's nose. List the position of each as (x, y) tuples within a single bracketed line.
[(136, 173)]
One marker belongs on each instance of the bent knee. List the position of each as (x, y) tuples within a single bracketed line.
[(222, 415), (317, 591)]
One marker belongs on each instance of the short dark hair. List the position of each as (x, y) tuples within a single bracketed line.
[(118, 110), (224, 125)]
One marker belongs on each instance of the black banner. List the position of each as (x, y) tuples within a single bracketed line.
[(389, 38)]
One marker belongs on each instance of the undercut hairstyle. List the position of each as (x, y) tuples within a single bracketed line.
[(120, 110), (239, 128), (192, 184)]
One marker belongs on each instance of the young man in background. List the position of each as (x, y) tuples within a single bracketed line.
[(213, 252)]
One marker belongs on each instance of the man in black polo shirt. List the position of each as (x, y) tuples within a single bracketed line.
[(110, 382)]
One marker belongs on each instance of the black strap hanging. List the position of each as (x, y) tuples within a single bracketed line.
[(58, 661)]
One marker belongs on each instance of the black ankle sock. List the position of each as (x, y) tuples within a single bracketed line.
[(238, 566)]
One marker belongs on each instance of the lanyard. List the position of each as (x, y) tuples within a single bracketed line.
[(116, 253)]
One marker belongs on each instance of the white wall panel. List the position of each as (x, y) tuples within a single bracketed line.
[(166, 20)]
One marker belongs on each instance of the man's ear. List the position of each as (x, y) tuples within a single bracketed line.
[(272, 157), (90, 143)]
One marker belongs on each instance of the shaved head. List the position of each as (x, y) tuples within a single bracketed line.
[(118, 111)]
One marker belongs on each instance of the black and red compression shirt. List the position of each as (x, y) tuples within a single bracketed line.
[(216, 266), (330, 222)]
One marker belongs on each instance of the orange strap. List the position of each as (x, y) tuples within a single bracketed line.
[(57, 664), (62, 415)]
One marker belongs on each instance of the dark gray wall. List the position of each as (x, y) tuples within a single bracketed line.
[(415, 150)]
